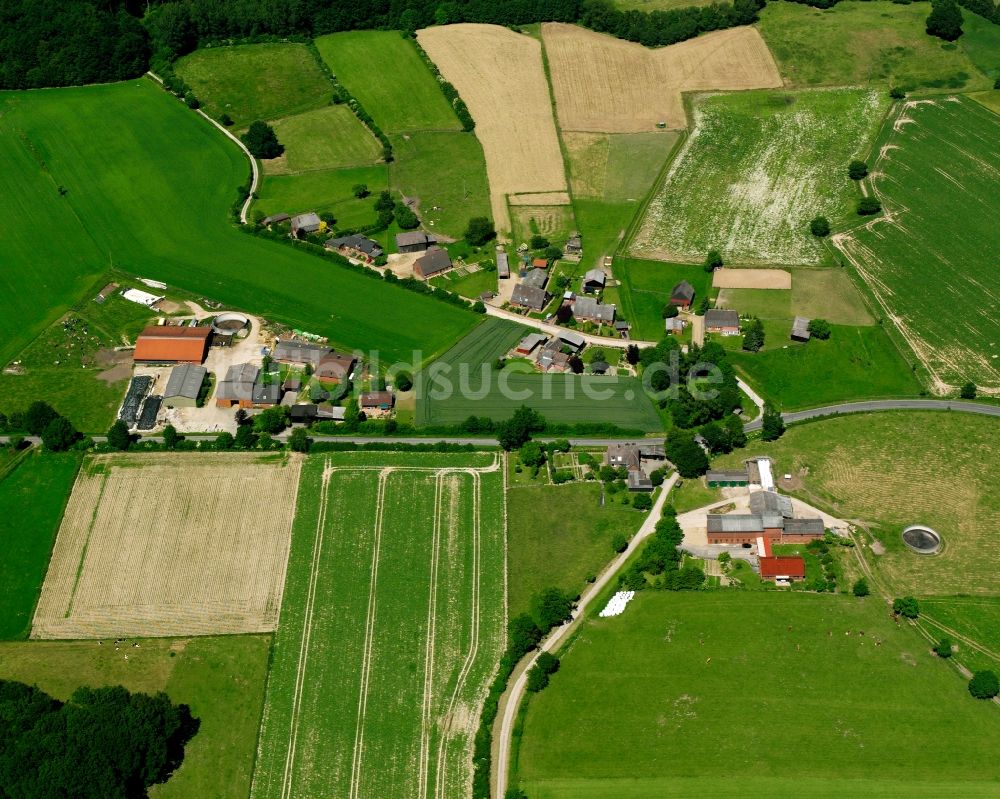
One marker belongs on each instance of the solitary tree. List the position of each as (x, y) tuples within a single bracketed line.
[(968, 391), (861, 587), (550, 608), (906, 606), (670, 311), (531, 453), (261, 140), (299, 440), (226, 120), (479, 230), (118, 436), (632, 354), (867, 206), (943, 648), (945, 20), (576, 364), (820, 226), (171, 437), (404, 381), (405, 217), (642, 502), (59, 435), (856, 170), (984, 685), (713, 261), (773, 426), (897, 93), (360, 190), (753, 336), (819, 328), (539, 242)]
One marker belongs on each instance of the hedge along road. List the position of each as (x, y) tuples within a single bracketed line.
[(254, 169), (882, 405)]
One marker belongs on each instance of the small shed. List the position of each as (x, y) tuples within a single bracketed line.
[(682, 295), (414, 241), (674, 326), (503, 265), (594, 280), (800, 329)]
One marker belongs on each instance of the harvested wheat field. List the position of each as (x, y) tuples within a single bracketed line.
[(171, 544), (604, 84), (751, 279), (500, 77)]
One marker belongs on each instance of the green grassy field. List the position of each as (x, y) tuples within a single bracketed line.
[(463, 383), (990, 100), (221, 678), (446, 172), (559, 536), (757, 168), (898, 468), (385, 73), (471, 285), (391, 626), (932, 265), (976, 618), (981, 42), (617, 166), (828, 294), (739, 694), (865, 363), (646, 287), (321, 139), (855, 43), (324, 191), (148, 185), (255, 81), (34, 494)]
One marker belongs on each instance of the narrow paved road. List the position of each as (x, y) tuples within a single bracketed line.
[(884, 405), (511, 700), (555, 330), (755, 398)]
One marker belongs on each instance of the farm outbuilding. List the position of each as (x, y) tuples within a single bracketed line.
[(335, 367), (357, 246), (594, 280), (674, 326), (169, 344), (414, 241), (141, 297), (184, 386), (529, 343), (719, 478), (783, 569), (376, 400), (305, 224), (299, 352), (433, 262), (503, 265), (238, 387), (682, 295), (800, 329)]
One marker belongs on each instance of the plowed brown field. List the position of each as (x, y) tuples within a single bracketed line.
[(604, 84), (171, 544)]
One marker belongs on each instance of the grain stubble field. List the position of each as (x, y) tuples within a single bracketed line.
[(500, 77), (397, 565), (603, 84), (169, 544)]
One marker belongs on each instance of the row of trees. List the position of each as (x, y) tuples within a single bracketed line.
[(42, 420)]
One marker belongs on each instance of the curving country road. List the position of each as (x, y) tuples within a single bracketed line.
[(883, 405)]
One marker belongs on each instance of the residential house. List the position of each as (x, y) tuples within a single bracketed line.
[(683, 295), (414, 241), (589, 309), (335, 367), (169, 344), (304, 224), (594, 280), (722, 321), (626, 455), (800, 329), (536, 277), (526, 296), (433, 262), (184, 386), (355, 246), (376, 401)]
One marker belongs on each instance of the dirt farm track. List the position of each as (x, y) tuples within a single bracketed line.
[(185, 545)]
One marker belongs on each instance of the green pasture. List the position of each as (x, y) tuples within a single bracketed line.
[(617, 167), (32, 499), (560, 536), (897, 468), (854, 363), (646, 287), (404, 582), (877, 42), (148, 185), (933, 265), (981, 42), (974, 617), (324, 191), (386, 74), (255, 81), (446, 173), (602, 225), (828, 294), (221, 678), (323, 138), (990, 100), (469, 286), (731, 693), (761, 166)]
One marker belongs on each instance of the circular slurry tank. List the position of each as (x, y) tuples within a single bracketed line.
[(922, 540), (230, 323)]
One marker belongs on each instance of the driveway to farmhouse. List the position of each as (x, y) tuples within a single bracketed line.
[(555, 330)]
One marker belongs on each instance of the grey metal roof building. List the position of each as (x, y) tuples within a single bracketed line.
[(305, 223), (719, 318), (594, 279), (572, 339), (536, 277), (590, 309), (503, 265), (239, 383), (800, 329), (639, 481), (529, 296), (727, 477), (414, 241), (432, 262), (292, 351), (355, 242), (184, 385), (806, 527), (765, 502), (735, 523)]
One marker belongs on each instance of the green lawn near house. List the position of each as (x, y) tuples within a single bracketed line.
[(324, 191), (255, 81), (388, 77), (470, 285), (646, 287)]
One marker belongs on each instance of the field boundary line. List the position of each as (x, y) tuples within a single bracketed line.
[(366, 662), (971, 642), (86, 544), (426, 707), (287, 778)]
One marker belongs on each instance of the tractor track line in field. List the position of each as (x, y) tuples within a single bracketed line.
[(366, 662), (293, 734), (426, 720), (439, 786)]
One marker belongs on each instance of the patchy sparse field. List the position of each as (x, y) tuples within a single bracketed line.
[(446, 172), (828, 294), (673, 672), (222, 680), (169, 544), (391, 627), (855, 43), (463, 382), (255, 81), (755, 169), (403, 95), (148, 185), (645, 289), (559, 536), (930, 262), (552, 221), (752, 279), (34, 494), (609, 85), (854, 363), (500, 77), (321, 139), (616, 167), (327, 190), (893, 469)]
